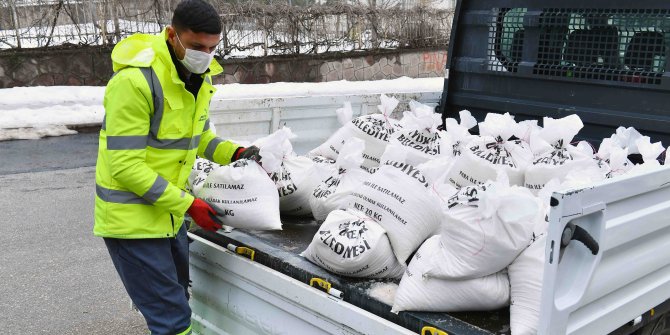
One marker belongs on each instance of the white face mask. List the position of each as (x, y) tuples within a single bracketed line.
[(196, 61)]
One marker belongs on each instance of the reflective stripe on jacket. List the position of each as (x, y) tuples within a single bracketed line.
[(152, 130)]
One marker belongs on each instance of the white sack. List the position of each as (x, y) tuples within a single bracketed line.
[(201, 169), (435, 170), (350, 244), (400, 198), (417, 293), (484, 230), (243, 196), (649, 151), (454, 140), (557, 156), (332, 192), (525, 275), (374, 129), (331, 148), (527, 129), (626, 138), (305, 175), (612, 159), (419, 137), (273, 149), (458, 134), (295, 176), (293, 194), (492, 152)]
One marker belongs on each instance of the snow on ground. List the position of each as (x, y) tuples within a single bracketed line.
[(34, 112)]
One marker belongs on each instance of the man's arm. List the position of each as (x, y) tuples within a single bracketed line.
[(216, 149), (127, 110)]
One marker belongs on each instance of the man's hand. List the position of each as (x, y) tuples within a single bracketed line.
[(251, 152), (204, 215)]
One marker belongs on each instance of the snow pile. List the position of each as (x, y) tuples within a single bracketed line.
[(32, 112)]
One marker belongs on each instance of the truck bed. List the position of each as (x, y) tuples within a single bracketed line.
[(280, 250)]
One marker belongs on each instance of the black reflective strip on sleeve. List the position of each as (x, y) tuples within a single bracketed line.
[(119, 197), (157, 189), (211, 148), (126, 142), (206, 126)]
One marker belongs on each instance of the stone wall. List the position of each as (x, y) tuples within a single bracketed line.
[(389, 65), (92, 66), (89, 66)]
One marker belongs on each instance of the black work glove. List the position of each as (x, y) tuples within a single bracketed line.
[(251, 152)]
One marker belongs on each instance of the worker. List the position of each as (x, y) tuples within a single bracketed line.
[(156, 121)]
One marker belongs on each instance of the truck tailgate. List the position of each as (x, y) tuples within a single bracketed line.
[(279, 250)]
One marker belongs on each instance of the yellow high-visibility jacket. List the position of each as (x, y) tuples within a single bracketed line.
[(152, 130)]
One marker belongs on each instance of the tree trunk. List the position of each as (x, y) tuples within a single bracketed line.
[(53, 25), (115, 15), (15, 18), (105, 17)]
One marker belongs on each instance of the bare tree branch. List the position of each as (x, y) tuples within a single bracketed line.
[(251, 28)]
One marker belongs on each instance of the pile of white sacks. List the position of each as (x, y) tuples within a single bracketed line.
[(459, 218)]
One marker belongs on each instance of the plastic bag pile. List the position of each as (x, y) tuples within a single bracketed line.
[(459, 218)]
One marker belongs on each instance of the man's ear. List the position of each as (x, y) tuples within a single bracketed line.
[(171, 36), (170, 32)]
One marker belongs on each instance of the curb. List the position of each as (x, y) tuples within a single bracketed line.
[(85, 127)]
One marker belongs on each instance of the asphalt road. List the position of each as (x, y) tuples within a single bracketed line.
[(55, 276)]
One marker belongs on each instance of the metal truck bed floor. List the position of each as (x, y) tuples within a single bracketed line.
[(280, 250)]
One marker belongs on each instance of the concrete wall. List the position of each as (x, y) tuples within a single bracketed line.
[(92, 66)]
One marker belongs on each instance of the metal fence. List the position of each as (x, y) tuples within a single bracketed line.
[(250, 28)]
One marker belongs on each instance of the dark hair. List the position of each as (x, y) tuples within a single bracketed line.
[(198, 16)]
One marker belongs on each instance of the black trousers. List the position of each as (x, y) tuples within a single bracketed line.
[(155, 275)]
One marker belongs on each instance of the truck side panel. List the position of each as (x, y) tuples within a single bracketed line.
[(595, 294)]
